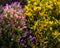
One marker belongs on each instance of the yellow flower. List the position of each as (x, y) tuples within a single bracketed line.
[(45, 22), (26, 7), (39, 8), (35, 8), (35, 3), (41, 14), (29, 14), (56, 33), (58, 4), (51, 28), (41, 27), (50, 22), (56, 22), (50, 2), (36, 23), (54, 1), (50, 7)]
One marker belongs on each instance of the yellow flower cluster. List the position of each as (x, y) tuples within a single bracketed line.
[(45, 17), (56, 34)]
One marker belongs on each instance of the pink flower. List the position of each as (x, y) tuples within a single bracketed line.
[(19, 17), (16, 15), (30, 37), (18, 26), (25, 27), (23, 17), (7, 7), (8, 24), (16, 22), (11, 11), (21, 28), (24, 23)]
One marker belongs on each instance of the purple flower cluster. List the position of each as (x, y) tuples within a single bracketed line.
[(23, 40), (13, 16), (12, 19)]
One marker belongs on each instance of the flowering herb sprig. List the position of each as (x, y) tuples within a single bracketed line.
[(13, 16), (12, 22)]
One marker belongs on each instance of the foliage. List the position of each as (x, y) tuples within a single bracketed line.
[(36, 25)]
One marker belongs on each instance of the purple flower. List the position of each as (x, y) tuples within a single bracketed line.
[(30, 37), (23, 17), (19, 37), (25, 33), (15, 15), (14, 3), (18, 4), (18, 26), (21, 28), (25, 27), (15, 22), (9, 25), (7, 6)]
